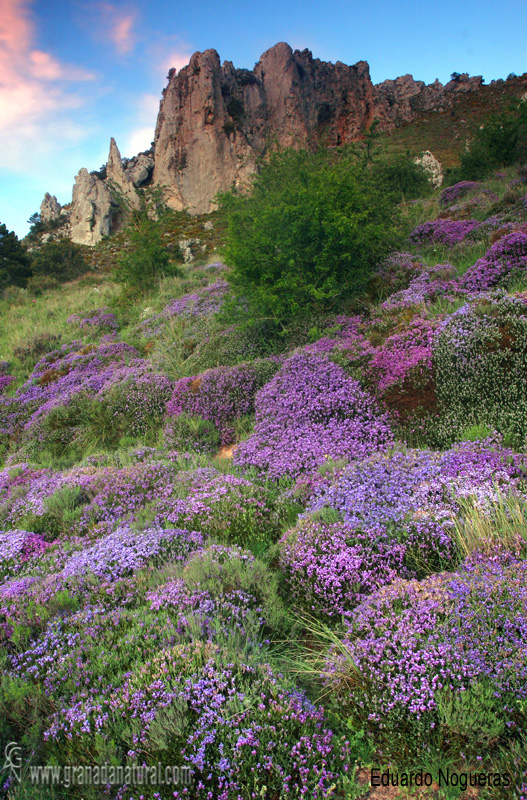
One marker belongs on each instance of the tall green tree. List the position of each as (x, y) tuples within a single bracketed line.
[(309, 233), (15, 263)]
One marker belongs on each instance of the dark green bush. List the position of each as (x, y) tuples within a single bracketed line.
[(14, 260), (310, 233), (62, 260), (402, 178), (502, 142), (148, 259)]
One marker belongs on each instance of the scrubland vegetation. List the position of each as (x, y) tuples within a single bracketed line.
[(267, 521)]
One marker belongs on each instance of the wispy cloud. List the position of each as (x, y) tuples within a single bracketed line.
[(117, 26), (35, 91)]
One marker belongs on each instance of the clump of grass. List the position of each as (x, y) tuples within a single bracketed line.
[(503, 524)]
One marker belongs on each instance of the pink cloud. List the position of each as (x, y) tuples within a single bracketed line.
[(33, 94), (122, 34), (177, 60)]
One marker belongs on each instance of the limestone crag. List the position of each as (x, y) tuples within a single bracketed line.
[(215, 120), (50, 208), (93, 209), (139, 169), (118, 180)]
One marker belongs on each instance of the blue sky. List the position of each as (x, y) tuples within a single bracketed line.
[(73, 73)]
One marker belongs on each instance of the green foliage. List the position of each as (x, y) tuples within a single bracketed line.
[(14, 260), (402, 178), (484, 384), (148, 259), (501, 142), (310, 232), (62, 260)]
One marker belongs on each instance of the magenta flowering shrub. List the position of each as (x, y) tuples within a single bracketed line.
[(16, 548), (404, 355), (105, 391), (309, 411), (444, 231), (425, 288), (453, 193), (240, 726), (505, 259), (222, 394), (100, 319), (5, 382), (329, 568), (396, 272)]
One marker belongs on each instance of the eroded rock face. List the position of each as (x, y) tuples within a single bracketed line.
[(119, 180), (93, 209), (216, 120), (50, 208)]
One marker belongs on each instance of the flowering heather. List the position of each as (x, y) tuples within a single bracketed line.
[(329, 568), (123, 552), (453, 193), (222, 394), (405, 488), (5, 381), (17, 547), (202, 303), (395, 272), (100, 319), (309, 411), (403, 355), (197, 607), (444, 231), (411, 641), (425, 288), (240, 729), (505, 259)]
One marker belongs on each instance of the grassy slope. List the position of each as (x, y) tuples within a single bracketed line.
[(445, 132)]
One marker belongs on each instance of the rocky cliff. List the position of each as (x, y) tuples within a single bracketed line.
[(215, 120)]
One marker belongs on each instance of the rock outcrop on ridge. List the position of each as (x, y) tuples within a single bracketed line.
[(215, 121)]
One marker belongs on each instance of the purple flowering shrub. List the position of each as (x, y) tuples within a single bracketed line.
[(16, 548), (100, 319), (395, 273), (503, 261), (234, 724), (452, 194), (329, 568), (124, 552), (428, 286), (444, 231), (221, 395), (416, 647), (401, 369), (92, 394), (309, 411), (200, 304)]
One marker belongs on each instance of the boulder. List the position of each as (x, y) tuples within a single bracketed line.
[(431, 165)]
